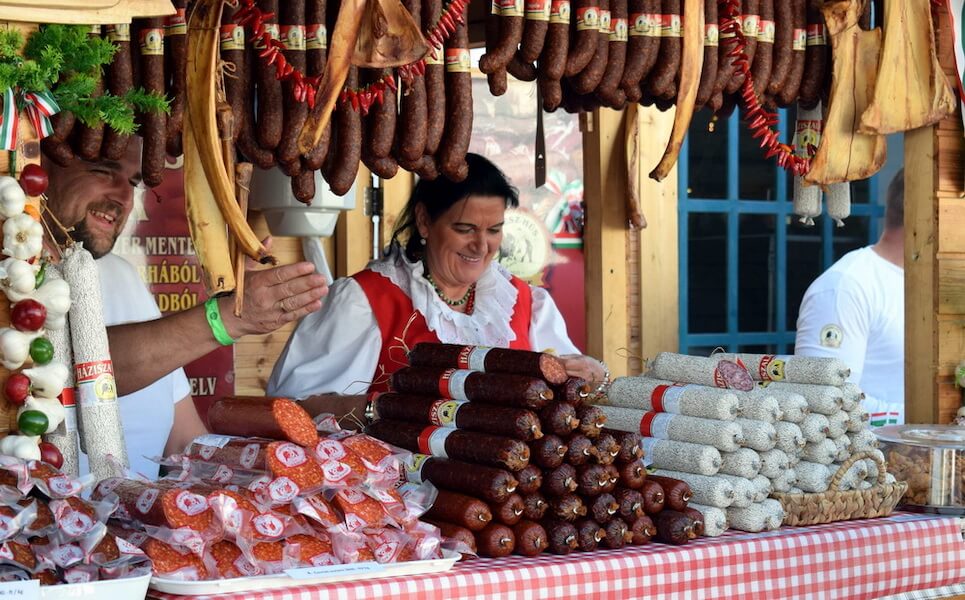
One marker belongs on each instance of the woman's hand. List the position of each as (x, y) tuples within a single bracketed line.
[(587, 368)]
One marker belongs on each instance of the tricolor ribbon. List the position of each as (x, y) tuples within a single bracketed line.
[(39, 107)]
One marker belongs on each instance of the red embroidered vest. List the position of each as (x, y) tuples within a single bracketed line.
[(404, 327)]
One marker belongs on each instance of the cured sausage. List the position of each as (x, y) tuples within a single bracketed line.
[(274, 418), (617, 534), (531, 538), (609, 91), (587, 80), (233, 46), (514, 423), (764, 55), (661, 81), (563, 536), (643, 45), (579, 449), (534, 30), (510, 511), (342, 163), (510, 35), (676, 493), (159, 506), (574, 390), (87, 139), (410, 131), (489, 360), (568, 507), (585, 35), (591, 419), (460, 509), (559, 481), (120, 80), (750, 21), (381, 119), (316, 54), (458, 384), (642, 530), (783, 45), (674, 527), (633, 473), (552, 61), (592, 480), (492, 485), (792, 83), (303, 185), (727, 41), (534, 506), (480, 448), (607, 449), (548, 451), (495, 541), (176, 53), (270, 99), (294, 109), (435, 76), (589, 534), (458, 131), (653, 498), (559, 418), (454, 532), (698, 518), (631, 445), (613, 478), (153, 123), (530, 479), (814, 82), (630, 504), (603, 507), (708, 73)]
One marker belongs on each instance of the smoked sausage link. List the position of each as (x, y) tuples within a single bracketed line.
[(490, 484), (489, 360), (491, 388), (274, 418), (460, 509), (516, 423)]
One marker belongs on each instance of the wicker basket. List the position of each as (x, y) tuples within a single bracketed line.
[(837, 505)]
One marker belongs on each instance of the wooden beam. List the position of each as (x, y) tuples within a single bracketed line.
[(394, 197), (921, 277), (604, 235)]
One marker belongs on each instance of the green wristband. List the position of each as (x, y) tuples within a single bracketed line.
[(212, 312)]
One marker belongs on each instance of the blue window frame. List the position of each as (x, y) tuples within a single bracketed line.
[(745, 261)]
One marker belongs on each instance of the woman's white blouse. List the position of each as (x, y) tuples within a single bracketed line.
[(336, 349)]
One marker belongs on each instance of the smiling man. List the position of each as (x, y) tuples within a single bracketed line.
[(90, 202)]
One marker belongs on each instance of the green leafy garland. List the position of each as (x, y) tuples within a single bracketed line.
[(67, 61)]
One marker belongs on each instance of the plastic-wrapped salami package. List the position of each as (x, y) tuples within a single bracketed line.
[(312, 550), (341, 466), (269, 557), (362, 510), (43, 523), (225, 560), (270, 527), (386, 544), (15, 519), (238, 453), (392, 502), (113, 552), (174, 562), (418, 498), (14, 478), (82, 573), (318, 509), (425, 542), (350, 546), (229, 508), (383, 460), (18, 553), (54, 484), (289, 460), (76, 517), (11, 573)]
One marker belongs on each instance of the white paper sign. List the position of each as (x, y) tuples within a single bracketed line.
[(331, 570), (20, 590)]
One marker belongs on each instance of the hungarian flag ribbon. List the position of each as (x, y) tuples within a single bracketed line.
[(38, 106)]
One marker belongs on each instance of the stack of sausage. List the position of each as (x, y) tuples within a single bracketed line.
[(241, 506), (52, 535), (522, 462)]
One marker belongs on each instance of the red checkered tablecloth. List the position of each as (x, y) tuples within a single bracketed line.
[(853, 559)]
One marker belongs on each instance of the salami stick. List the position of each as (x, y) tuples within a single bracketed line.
[(607, 449), (316, 53), (676, 493), (531, 538), (458, 131), (530, 479), (160, 505), (587, 80), (176, 55), (534, 30), (495, 541), (521, 70), (634, 473), (454, 532), (233, 47), (783, 45), (631, 444), (497, 80), (609, 91), (548, 451), (764, 55), (585, 34), (294, 111), (750, 21), (510, 35), (579, 449), (589, 534), (435, 78), (489, 360), (487, 483), (410, 131), (513, 423), (65, 436), (725, 64), (270, 100), (552, 61), (568, 507), (643, 45), (816, 58), (255, 416), (661, 81), (534, 506), (460, 509), (342, 163), (591, 420), (458, 384), (559, 418), (510, 511), (792, 83), (89, 138), (574, 391), (120, 80), (100, 422), (642, 530), (618, 534), (708, 74), (563, 536), (559, 481), (151, 42), (381, 120), (480, 448)]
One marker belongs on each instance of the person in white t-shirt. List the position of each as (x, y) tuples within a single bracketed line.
[(855, 311), (92, 201)]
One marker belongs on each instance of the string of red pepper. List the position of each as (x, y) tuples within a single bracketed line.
[(305, 88), (760, 121)]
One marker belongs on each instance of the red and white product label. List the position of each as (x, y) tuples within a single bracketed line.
[(260, 484), (223, 474), (283, 490), (293, 37), (670, 26), (268, 525), (190, 504), (94, 382), (335, 471), (387, 551), (473, 358), (765, 31), (352, 496), (64, 556), (413, 467), (5, 551), (644, 24), (245, 567), (316, 37), (655, 425), (666, 398), (538, 10), (457, 60), (323, 559), (443, 412), (618, 30), (711, 34), (63, 485), (773, 367), (75, 523), (249, 454), (432, 441), (146, 500), (291, 455), (750, 25), (588, 17), (6, 526), (511, 8), (328, 449), (126, 547), (206, 452), (452, 384), (560, 12), (817, 35), (232, 37), (604, 21), (800, 40)]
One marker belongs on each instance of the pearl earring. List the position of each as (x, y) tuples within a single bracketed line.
[(422, 241)]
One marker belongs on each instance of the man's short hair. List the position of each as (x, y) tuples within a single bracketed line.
[(895, 202)]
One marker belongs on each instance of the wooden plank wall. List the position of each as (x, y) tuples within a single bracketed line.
[(934, 261)]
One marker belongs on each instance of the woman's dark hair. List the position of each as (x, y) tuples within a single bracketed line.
[(440, 194)]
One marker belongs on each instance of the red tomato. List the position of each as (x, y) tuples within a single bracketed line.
[(50, 454), (28, 315), (17, 388), (33, 180)]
